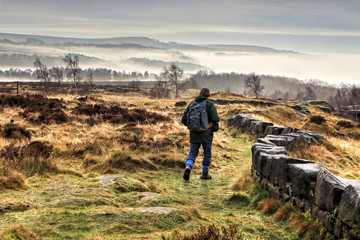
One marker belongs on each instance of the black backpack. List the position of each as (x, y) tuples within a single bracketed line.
[(197, 116)]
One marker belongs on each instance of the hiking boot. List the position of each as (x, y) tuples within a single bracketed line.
[(205, 175), (187, 173)]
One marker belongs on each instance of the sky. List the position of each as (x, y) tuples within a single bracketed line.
[(331, 26)]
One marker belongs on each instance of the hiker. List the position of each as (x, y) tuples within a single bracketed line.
[(202, 128)]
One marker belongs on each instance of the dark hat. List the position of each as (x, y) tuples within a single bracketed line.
[(205, 92)]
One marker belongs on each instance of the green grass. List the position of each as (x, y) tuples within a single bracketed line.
[(73, 207)]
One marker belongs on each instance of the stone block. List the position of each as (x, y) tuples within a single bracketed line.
[(338, 228), (302, 178), (265, 141), (349, 207), (328, 190)]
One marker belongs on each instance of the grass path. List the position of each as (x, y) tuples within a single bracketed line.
[(73, 207)]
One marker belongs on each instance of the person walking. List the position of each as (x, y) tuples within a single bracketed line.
[(201, 134)]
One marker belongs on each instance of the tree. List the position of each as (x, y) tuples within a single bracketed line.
[(42, 73), (58, 74), (309, 94), (72, 69), (90, 77), (253, 82), (173, 74)]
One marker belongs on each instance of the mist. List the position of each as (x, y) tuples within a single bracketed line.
[(331, 68)]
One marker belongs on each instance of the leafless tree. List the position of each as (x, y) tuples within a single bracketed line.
[(309, 94), (72, 69), (253, 82), (42, 73), (174, 75), (160, 90), (58, 74), (90, 77)]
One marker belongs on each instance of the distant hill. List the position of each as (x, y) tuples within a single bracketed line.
[(135, 42)]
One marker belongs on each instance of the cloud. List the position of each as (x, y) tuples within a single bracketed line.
[(206, 19)]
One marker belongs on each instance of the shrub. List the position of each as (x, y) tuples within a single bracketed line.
[(211, 232), (345, 124), (14, 180), (118, 115), (317, 119), (268, 206), (284, 212), (180, 104), (19, 232), (30, 159), (12, 131)]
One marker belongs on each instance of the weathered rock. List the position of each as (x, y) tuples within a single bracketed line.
[(324, 109), (328, 190), (282, 140), (301, 109), (163, 210), (338, 228), (259, 148), (110, 179), (265, 141), (315, 135), (349, 208), (278, 171), (146, 196), (302, 178)]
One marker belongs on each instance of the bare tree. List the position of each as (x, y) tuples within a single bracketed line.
[(42, 73), (173, 74), (58, 74), (253, 82), (72, 69), (300, 96), (309, 94), (160, 90), (90, 77)]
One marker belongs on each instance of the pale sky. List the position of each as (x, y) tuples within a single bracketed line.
[(300, 25)]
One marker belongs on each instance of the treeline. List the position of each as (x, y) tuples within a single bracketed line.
[(274, 86), (99, 74)]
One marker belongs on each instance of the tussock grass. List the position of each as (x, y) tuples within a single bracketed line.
[(12, 180), (268, 206), (244, 181), (150, 156), (20, 233)]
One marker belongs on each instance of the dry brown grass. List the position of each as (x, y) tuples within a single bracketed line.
[(284, 212), (244, 181), (13, 180), (340, 153), (19, 232), (268, 206)]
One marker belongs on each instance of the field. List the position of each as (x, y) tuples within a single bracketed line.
[(58, 152)]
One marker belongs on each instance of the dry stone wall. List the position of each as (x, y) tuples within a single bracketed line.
[(335, 201)]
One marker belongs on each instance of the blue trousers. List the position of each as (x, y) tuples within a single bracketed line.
[(194, 151)]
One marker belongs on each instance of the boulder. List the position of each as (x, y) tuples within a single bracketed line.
[(301, 109), (324, 109), (302, 178)]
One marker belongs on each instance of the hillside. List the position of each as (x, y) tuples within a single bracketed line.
[(99, 167)]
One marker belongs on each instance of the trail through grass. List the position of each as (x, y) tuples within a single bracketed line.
[(72, 207)]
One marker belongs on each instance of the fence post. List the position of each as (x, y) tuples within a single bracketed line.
[(17, 88)]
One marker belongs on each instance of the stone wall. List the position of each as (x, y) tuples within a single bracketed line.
[(309, 186)]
